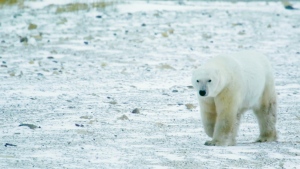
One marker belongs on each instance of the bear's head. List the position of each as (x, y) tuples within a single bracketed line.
[(207, 82)]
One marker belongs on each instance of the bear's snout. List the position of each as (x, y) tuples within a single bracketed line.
[(202, 92)]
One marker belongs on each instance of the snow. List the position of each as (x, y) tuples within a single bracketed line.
[(137, 55)]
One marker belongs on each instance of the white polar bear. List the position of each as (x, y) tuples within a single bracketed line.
[(229, 85)]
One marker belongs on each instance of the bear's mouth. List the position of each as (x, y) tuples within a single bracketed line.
[(202, 93)]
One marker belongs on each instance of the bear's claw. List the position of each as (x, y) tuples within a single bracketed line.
[(209, 143)]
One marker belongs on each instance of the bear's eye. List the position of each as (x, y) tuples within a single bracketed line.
[(197, 81), (209, 80)]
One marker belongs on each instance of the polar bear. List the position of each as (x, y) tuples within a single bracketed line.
[(231, 84)]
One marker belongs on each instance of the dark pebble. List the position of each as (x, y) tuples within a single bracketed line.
[(136, 111), (79, 125), (174, 91), (8, 144), (143, 24), (31, 126), (50, 57), (289, 7), (99, 16), (3, 41), (190, 87), (3, 65), (17, 15), (86, 43), (24, 39)]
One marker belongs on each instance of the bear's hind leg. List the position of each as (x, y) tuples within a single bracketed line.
[(266, 115)]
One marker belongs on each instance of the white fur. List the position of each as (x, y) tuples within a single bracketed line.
[(230, 85)]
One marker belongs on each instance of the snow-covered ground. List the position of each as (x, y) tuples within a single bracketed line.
[(81, 74)]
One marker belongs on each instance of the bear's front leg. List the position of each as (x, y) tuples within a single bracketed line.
[(225, 127), (208, 116)]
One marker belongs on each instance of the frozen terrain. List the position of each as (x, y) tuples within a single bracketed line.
[(77, 76)]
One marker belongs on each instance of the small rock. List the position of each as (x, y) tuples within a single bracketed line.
[(164, 34), (206, 36), (23, 39), (237, 24), (32, 26), (190, 106), (136, 111), (86, 43), (17, 15), (164, 67), (143, 24), (11, 73), (242, 32), (171, 31), (8, 144), (175, 91), (79, 125), (99, 16), (123, 117), (86, 117), (31, 126), (112, 102), (50, 57), (158, 124), (190, 87)]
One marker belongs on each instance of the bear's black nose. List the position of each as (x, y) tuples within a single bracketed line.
[(202, 92)]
